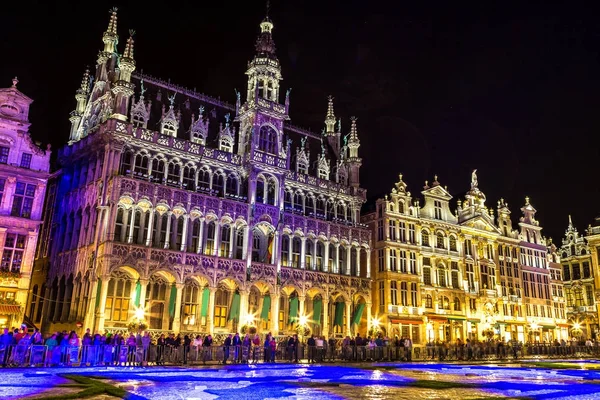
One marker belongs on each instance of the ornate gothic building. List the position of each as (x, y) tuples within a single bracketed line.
[(203, 216), (24, 172), (581, 279), (443, 275)]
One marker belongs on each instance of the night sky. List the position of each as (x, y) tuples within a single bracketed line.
[(438, 87)]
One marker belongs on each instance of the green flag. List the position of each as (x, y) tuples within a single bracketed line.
[(172, 300), (98, 293), (204, 306), (266, 307), (358, 313), (138, 293), (234, 311), (317, 306), (293, 310), (339, 314)]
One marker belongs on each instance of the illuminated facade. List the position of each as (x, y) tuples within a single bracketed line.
[(203, 216), (24, 172), (441, 276), (581, 281)]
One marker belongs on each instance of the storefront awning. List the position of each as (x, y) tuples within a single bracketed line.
[(9, 309), (406, 321), (456, 318), (563, 325), (474, 320), (548, 326), (437, 318)]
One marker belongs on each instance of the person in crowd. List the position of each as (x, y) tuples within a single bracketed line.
[(237, 346), (6, 340), (160, 350), (226, 346), (267, 348)]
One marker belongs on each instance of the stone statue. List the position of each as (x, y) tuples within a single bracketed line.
[(287, 92), (237, 94), (172, 99), (201, 111), (339, 125), (345, 139), (303, 142), (474, 182), (142, 88), (227, 117)]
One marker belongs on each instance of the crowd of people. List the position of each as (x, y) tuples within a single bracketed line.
[(19, 347)]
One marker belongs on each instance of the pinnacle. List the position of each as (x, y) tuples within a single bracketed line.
[(353, 130), (128, 53), (112, 24), (330, 114)]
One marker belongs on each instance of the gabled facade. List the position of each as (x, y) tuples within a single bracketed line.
[(443, 276), (196, 214), (24, 172)]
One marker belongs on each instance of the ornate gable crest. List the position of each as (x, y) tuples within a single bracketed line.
[(226, 136), (302, 157), (169, 123), (324, 167), (140, 112), (199, 128)]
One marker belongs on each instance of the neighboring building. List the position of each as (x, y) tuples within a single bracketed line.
[(579, 282), (24, 172), (203, 216), (439, 275), (593, 240)]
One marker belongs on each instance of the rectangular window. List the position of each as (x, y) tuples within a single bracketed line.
[(381, 297), (411, 233), (12, 256), (413, 263), (586, 270), (427, 276), (403, 261), (393, 261), (394, 292), (220, 316), (379, 230), (404, 293), (4, 155), (381, 260), (23, 200), (26, 160), (468, 247), (437, 209), (392, 230), (402, 236), (413, 294)]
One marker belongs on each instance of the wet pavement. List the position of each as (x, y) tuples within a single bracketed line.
[(288, 381)]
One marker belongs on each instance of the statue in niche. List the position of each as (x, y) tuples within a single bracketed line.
[(227, 117)]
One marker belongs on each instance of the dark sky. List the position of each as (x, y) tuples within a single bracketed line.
[(438, 87)]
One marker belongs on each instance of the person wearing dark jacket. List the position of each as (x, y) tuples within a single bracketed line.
[(311, 348), (226, 345)]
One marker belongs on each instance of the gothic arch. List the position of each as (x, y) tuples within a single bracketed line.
[(132, 271)]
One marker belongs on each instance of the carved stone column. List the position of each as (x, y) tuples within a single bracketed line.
[(348, 318), (325, 328), (100, 316), (211, 310), (274, 325)]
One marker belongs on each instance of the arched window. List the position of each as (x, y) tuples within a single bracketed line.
[(210, 238), (218, 184), (189, 177), (173, 174), (309, 254), (330, 214), (158, 170), (232, 185), (443, 303), (321, 207), (332, 267), (440, 241), (341, 211), (126, 162), (319, 256), (225, 241), (267, 139), (309, 205), (296, 248), (456, 304), (453, 243), (442, 276), (204, 178), (287, 200), (221, 307), (299, 202), (119, 224), (191, 302), (117, 298), (424, 238), (342, 263), (401, 207), (271, 191), (285, 251), (428, 301), (140, 169)]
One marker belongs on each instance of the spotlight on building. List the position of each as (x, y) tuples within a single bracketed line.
[(303, 320), (249, 320), (139, 313)]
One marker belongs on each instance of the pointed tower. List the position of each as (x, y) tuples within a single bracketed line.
[(261, 116), (107, 55), (123, 89), (333, 137), (81, 97), (353, 161)]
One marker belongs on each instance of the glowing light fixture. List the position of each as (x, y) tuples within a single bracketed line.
[(576, 325), (249, 319), (139, 313), (302, 320)]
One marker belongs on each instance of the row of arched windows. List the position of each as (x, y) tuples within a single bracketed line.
[(187, 176), (316, 206)]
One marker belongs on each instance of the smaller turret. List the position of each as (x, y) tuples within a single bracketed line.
[(169, 123), (354, 162), (81, 96), (110, 35), (333, 137), (199, 128), (226, 136)]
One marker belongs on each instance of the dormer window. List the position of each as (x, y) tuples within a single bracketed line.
[(225, 145), (302, 168), (267, 139), (323, 173), (169, 129), (138, 120)]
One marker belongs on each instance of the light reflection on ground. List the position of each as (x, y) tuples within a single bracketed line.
[(315, 382)]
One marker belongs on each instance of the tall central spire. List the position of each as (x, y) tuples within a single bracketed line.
[(265, 45)]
